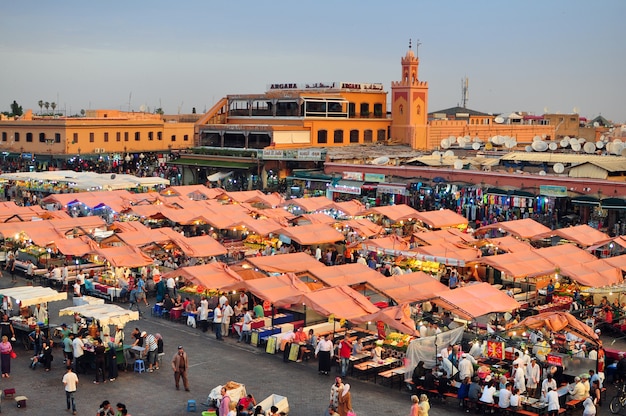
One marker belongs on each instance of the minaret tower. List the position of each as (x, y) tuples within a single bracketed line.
[(409, 104)]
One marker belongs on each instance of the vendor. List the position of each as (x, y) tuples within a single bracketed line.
[(40, 313)]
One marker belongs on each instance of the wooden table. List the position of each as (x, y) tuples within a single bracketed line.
[(368, 367)]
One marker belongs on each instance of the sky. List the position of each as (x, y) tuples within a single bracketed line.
[(533, 56)]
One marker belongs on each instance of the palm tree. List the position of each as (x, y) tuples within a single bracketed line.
[(53, 105), (40, 106), (47, 105)]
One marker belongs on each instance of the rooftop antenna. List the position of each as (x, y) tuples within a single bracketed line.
[(417, 48), (464, 92), (130, 96)]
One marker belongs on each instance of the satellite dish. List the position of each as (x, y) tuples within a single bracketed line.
[(499, 120), (564, 142), (542, 173), (617, 148), (566, 138), (596, 124), (536, 138), (553, 146), (509, 143), (600, 144), (576, 147), (572, 141), (383, 160), (113, 176), (142, 108), (458, 164), (460, 139), (558, 168), (445, 143), (602, 137), (477, 140), (575, 110), (581, 140), (545, 110), (617, 141), (543, 136), (449, 153), (589, 147), (475, 145), (539, 146), (609, 147), (436, 153), (528, 149), (488, 146)]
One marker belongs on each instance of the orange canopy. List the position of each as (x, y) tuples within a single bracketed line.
[(525, 228), (261, 227), (363, 227), (476, 300), (123, 256), (201, 246), (398, 317), (257, 198), (520, 264), (341, 301), (351, 208), (8, 209), (559, 321), (193, 191), (395, 213), (117, 200), (450, 235), (283, 263), (44, 232), (273, 288), (510, 244), (617, 261), (410, 287), (316, 218), (311, 204), (209, 276), (564, 255), (582, 235), (450, 251), (392, 243), (443, 218), (344, 275), (71, 246), (313, 234), (276, 213), (596, 273)]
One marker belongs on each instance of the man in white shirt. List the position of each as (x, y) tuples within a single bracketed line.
[(40, 314), (547, 383), (78, 349), (80, 279), (553, 401), (533, 375), (203, 313), (70, 382), (217, 322), (227, 312), (504, 397), (223, 299), (171, 287), (519, 379), (318, 253), (466, 368), (476, 350), (243, 299)]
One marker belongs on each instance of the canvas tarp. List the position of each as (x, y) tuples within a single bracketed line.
[(124, 256), (510, 244), (106, 314), (313, 234), (617, 261), (583, 235), (390, 244), (397, 317), (284, 263), (262, 227), (520, 264), (344, 275), (395, 213), (596, 273), (364, 227), (449, 235), (526, 228), (475, 300), (410, 287), (193, 192), (426, 349), (209, 276), (316, 218), (200, 246), (351, 208), (32, 295), (448, 250), (558, 321), (9, 211), (78, 246), (314, 204), (257, 198), (442, 218), (274, 288)]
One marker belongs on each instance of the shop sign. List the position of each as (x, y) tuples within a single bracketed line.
[(495, 349), (554, 360), (345, 189), (392, 189), (271, 154), (374, 177), (309, 154), (360, 86), (553, 190), (353, 176)]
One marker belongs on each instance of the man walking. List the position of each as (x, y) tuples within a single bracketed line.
[(217, 322), (70, 381), (180, 364)]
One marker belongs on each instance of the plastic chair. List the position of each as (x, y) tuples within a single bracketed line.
[(140, 366), (191, 405)]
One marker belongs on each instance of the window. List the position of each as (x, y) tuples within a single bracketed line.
[(42, 137), (351, 109), (57, 137), (367, 136), (137, 136), (92, 137), (173, 137), (322, 136), (150, 135), (125, 136), (354, 136), (17, 137), (338, 136), (380, 135), (106, 137), (378, 110), (4, 136), (118, 137), (186, 138), (29, 137), (365, 110), (75, 138), (159, 135)]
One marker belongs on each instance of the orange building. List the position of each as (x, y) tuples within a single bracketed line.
[(99, 132)]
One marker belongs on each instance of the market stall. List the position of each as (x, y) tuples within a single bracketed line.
[(284, 263), (105, 314)]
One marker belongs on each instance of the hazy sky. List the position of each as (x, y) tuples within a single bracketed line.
[(519, 56)]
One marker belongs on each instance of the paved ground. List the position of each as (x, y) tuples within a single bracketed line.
[(212, 363)]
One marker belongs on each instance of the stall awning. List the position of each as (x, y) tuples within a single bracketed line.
[(313, 234), (443, 218), (341, 301), (586, 200), (613, 203), (559, 321), (106, 314), (207, 276), (582, 235), (32, 295), (525, 228), (283, 263), (397, 317), (212, 163), (475, 300)]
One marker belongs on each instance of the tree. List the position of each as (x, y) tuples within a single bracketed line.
[(53, 105), (47, 105), (159, 111), (82, 112), (16, 109), (40, 102)]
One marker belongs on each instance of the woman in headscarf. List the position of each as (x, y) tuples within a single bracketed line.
[(345, 400)]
